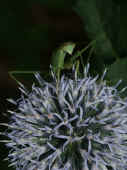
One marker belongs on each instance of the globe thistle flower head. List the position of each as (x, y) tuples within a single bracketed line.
[(70, 124)]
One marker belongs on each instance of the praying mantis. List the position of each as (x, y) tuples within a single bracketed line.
[(58, 59)]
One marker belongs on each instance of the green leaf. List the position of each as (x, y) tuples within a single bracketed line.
[(100, 23), (118, 71)]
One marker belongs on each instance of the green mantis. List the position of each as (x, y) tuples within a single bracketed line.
[(59, 55), (58, 59)]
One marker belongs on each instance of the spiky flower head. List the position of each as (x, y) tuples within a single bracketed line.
[(73, 124)]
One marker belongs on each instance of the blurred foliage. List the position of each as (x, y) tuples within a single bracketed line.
[(101, 23), (118, 71), (107, 22)]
